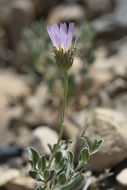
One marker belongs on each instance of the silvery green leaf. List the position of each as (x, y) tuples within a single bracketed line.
[(42, 163), (84, 140), (46, 174), (33, 157), (35, 175), (65, 144), (62, 165), (70, 158), (58, 157), (96, 145), (62, 178), (53, 178), (74, 184), (84, 155), (50, 147)]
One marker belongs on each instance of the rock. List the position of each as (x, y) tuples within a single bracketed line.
[(120, 103), (105, 70), (109, 25), (7, 176), (14, 16), (42, 7), (13, 92), (122, 177), (41, 137), (97, 7), (120, 13), (112, 127), (21, 183), (66, 12), (39, 109)]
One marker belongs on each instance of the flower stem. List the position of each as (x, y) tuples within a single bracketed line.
[(62, 118)]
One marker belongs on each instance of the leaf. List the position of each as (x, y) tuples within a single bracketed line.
[(33, 157), (74, 184), (62, 178), (42, 163), (58, 157), (84, 155), (96, 145), (84, 140), (46, 174), (52, 178), (65, 144), (35, 175), (70, 158), (50, 147)]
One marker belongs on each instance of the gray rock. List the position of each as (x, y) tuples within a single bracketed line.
[(21, 183), (97, 7), (66, 12), (122, 177), (13, 90), (113, 25), (39, 112), (9, 175), (41, 137), (14, 16), (112, 127)]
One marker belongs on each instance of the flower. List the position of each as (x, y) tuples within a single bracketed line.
[(61, 38)]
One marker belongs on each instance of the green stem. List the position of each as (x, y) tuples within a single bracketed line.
[(62, 118)]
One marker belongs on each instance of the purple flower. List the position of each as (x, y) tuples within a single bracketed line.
[(61, 36)]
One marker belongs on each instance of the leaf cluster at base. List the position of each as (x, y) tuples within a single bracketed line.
[(61, 175)]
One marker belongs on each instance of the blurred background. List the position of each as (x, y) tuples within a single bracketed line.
[(31, 87)]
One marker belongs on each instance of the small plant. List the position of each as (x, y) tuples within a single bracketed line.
[(59, 173)]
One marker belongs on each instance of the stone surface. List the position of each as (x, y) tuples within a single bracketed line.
[(39, 109), (122, 177), (41, 7), (6, 176), (14, 16), (41, 137), (97, 7), (66, 12), (112, 127), (13, 92), (21, 183), (113, 25), (105, 71)]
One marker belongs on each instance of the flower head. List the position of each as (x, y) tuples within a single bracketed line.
[(62, 41)]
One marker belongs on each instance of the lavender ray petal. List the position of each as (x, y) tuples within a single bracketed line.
[(69, 35), (56, 34), (63, 34), (51, 35), (77, 36)]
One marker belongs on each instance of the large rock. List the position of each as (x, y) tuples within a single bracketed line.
[(39, 110), (122, 177), (66, 12), (21, 183), (97, 7), (105, 70), (14, 16), (112, 127), (42, 7), (41, 137), (7, 176), (107, 26), (13, 92)]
